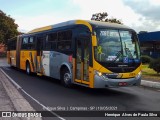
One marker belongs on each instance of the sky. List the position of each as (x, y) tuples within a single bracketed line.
[(141, 15)]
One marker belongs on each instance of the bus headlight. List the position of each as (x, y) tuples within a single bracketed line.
[(100, 74), (139, 75)]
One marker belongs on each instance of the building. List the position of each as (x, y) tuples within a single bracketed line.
[(150, 43)]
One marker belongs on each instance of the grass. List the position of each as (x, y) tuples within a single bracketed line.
[(149, 74)]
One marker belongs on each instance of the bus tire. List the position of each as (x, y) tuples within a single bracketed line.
[(66, 77), (28, 68)]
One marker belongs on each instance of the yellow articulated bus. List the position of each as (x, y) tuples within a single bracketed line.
[(88, 53)]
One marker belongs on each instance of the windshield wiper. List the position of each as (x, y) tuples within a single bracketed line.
[(118, 55), (129, 54)]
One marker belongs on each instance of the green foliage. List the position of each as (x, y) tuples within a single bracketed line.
[(146, 59), (4, 54), (8, 28), (155, 65), (103, 17)]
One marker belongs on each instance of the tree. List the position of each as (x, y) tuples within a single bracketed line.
[(8, 28), (155, 65), (146, 59), (103, 17)]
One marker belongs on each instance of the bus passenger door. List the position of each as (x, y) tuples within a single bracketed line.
[(82, 61)]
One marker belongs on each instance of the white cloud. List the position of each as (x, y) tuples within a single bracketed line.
[(114, 9), (28, 23), (154, 2), (148, 10), (89, 7), (83, 9)]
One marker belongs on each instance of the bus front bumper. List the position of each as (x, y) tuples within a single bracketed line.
[(100, 82)]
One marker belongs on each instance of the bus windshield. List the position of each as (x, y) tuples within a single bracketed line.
[(116, 46)]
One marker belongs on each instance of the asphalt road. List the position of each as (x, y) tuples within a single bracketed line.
[(52, 94)]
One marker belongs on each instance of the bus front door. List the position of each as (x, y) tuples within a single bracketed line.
[(82, 61)]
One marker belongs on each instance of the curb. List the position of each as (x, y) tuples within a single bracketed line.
[(18, 101), (150, 84)]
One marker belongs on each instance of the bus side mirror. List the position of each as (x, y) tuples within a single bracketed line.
[(94, 41)]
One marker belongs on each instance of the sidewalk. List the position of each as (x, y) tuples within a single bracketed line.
[(151, 84), (5, 101), (3, 62), (10, 98)]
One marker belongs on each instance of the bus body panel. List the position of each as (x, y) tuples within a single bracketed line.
[(8, 57), (130, 78), (30, 56), (46, 63), (12, 58), (100, 82), (57, 60), (102, 69)]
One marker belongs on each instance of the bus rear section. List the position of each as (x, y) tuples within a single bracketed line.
[(11, 51)]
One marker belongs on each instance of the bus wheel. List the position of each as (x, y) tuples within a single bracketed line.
[(28, 68), (66, 78)]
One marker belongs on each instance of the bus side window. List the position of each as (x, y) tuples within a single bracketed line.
[(39, 44), (64, 40), (31, 43), (12, 44), (50, 41), (28, 43), (25, 43)]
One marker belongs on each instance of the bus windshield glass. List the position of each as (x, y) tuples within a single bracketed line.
[(117, 46)]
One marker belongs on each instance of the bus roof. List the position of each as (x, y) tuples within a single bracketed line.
[(74, 22), (107, 24)]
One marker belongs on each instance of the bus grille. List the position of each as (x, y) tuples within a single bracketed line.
[(122, 69)]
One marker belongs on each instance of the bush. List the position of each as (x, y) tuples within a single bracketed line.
[(146, 59), (3, 54), (155, 65)]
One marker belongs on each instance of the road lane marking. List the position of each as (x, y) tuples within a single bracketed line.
[(19, 87)]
